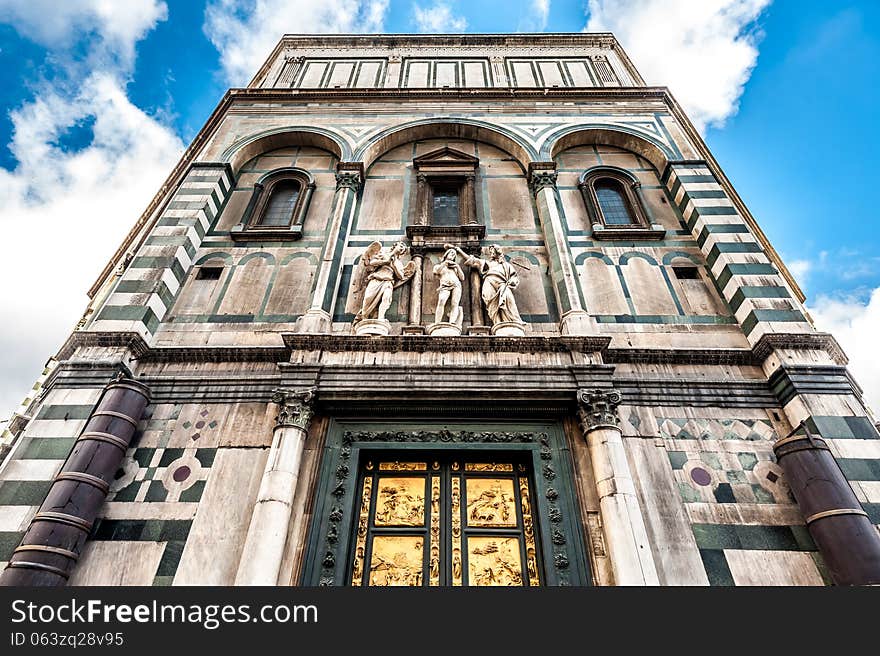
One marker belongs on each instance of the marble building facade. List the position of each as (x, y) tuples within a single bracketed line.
[(584, 364)]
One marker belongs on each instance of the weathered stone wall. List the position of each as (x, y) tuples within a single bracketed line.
[(713, 368)]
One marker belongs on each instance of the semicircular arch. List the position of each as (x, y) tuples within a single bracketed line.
[(439, 128), (656, 152), (252, 145)]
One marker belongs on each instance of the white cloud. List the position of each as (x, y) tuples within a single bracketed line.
[(57, 24), (855, 324), (800, 269), (65, 211), (438, 19), (246, 31), (535, 19), (703, 51)]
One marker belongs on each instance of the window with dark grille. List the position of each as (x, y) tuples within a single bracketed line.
[(686, 272), (209, 273), (279, 209), (613, 203), (446, 205)]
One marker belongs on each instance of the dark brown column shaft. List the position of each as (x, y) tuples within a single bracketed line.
[(848, 542), (57, 534)]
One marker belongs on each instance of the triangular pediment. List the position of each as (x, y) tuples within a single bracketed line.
[(446, 156)]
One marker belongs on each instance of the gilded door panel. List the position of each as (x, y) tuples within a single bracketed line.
[(400, 501), (456, 523), (494, 561), (397, 560), (491, 502)]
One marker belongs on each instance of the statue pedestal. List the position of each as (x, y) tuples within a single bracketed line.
[(444, 329), (577, 322), (509, 329), (375, 327), (315, 321)]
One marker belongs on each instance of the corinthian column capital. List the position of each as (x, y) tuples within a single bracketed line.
[(349, 175), (295, 408), (598, 408), (542, 175)]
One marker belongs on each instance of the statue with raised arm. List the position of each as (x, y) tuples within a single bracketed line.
[(449, 290), (499, 282), (382, 272)]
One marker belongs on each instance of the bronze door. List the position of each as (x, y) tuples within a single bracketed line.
[(450, 521)]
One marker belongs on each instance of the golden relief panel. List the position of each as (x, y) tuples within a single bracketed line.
[(494, 561), (396, 560), (488, 467), (357, 573), (400, 501), (528, 533), (403, 466), (456, 530), (491, 502), (434, 555)]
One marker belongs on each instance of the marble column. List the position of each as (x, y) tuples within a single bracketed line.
[(319, 317), (270, 523), (818, 396), (840, 527), (575, 320), (626, 538), (56, 537)]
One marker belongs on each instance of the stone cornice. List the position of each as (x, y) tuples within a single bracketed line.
[(800, 341), (132, 341), (424, 343), (681, 356), (445, 94), (339, 342)]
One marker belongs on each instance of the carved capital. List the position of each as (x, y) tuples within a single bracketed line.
[(540, 178), (349, 180), (598, 409), (295, 408)]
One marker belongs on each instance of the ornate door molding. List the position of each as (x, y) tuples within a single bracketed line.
[(541, 446)]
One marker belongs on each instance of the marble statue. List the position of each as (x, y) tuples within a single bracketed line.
[(499, 282), (382, 272), (449, 289)]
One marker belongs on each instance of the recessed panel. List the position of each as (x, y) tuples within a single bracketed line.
[(400, 502), (494, 561), (491, 502), (397, 560)]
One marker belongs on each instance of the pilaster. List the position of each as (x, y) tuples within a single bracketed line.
[(626, 537), (267, 534)]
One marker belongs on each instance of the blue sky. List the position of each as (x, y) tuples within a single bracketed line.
[(784, 90)]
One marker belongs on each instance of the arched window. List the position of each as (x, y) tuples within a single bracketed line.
[(278, 206), (613, 202), (615, 206), (282, 202)]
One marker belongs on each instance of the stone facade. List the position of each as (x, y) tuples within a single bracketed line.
[(659, 362)]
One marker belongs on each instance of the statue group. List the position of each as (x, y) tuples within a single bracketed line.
[(382, 271)]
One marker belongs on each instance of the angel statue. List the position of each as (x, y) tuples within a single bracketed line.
[(499, 282), (383, 272), (449, 289)]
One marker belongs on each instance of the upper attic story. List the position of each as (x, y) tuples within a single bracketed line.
[(396, 61)]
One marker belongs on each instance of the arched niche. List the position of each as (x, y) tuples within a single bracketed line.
[(253, 145), (464, 129), (652, 150)]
